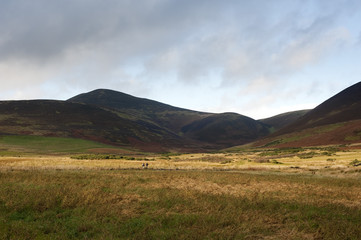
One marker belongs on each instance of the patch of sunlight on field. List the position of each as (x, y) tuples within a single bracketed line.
[(310, 161)]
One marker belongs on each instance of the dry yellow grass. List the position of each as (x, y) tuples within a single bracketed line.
[(282, 190), (337, 163), (312, 193), (153, 204)]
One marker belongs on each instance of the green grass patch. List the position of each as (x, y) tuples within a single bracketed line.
[(99, 157), (273, 143), (352, 138), (108, 156), (307, 155), (281, 151), (40, 144), (356, 163)]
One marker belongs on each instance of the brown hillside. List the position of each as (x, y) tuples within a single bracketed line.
[(335, 121), (332, 134), (344, 106)]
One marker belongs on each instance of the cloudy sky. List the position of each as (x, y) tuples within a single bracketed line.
[(254, 57)]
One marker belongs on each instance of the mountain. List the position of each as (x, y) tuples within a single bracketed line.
[(281, 120), (220, 130), (335, 121), (120, 119), (160, 114), (67, 119)]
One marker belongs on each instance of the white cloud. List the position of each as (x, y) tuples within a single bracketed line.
[(309, 48)]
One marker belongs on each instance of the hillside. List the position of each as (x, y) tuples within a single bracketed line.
[(344, 106), (226, 128), (335, 121), (281, 120), (212, 130), (67, 119), (163, 115), (119, 119)]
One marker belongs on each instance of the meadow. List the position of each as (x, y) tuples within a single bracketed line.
[(239, 193)]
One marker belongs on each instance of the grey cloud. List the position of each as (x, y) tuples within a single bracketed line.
[(251, 42), (43, 29), (81, 42), (243, 41)]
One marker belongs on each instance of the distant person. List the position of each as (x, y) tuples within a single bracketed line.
[(146, 165), (143, 165)]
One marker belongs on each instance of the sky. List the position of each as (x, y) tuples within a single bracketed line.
[(257, 58)]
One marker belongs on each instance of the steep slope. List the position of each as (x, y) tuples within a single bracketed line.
[(281, 120), (344, 106), (227, 129), (335, 121)]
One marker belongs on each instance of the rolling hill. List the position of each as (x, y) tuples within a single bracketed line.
[(197, 128), (120, 119), (226, 128), (153, 112), (67, 119)]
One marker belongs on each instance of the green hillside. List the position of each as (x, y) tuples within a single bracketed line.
[(10, 145)]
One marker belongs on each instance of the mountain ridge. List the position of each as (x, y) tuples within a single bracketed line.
[(150, 110), (121, 119), (343, 106), (225, 129)]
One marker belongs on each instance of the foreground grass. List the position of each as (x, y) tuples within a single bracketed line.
[(153, 204)]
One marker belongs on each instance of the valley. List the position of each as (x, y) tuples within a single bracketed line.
[(337, 160)]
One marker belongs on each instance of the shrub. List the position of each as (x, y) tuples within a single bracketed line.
[(97, 156), (355, 163)]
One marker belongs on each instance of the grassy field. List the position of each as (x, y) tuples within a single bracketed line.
[(131, 204), (297, 193), (39, 145)]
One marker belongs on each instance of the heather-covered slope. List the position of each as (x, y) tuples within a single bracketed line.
[(335, 121), (226, 128), (119, 119), (219, 130), (163, 115), (344, 106), (67, 119)]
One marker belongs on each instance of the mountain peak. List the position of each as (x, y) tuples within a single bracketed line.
[(118, 100)]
